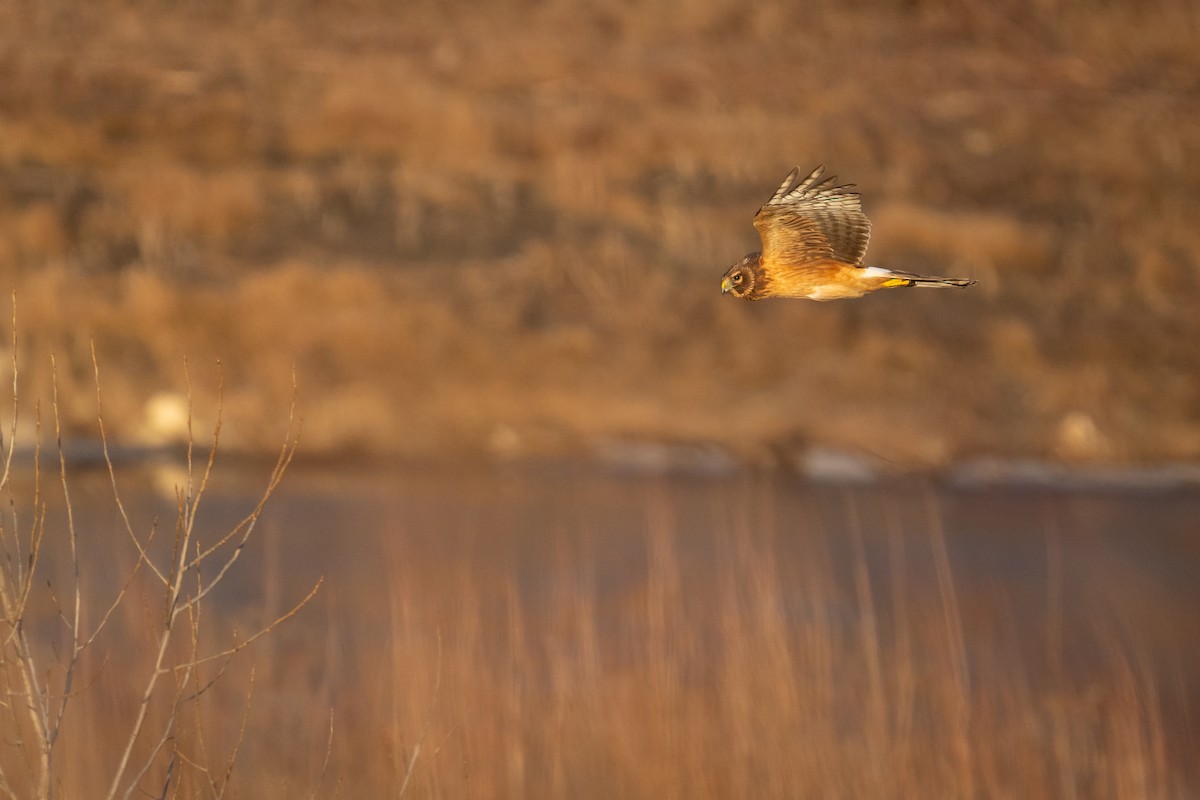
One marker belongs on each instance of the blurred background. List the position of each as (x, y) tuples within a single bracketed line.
[(498, 228), (547, 470)]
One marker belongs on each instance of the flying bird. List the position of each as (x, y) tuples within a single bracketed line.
[(814, 235)]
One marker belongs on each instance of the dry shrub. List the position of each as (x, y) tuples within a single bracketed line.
[(115, 658)]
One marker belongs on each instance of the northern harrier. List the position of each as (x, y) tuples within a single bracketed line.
[(814, 234)]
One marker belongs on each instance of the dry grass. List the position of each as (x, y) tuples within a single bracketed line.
[(798, 672), (502, 223), (731, 649)]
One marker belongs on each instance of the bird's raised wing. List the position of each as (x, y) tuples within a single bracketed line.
[(811, 220)]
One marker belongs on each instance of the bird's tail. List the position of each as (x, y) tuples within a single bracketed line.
[(897, 278)]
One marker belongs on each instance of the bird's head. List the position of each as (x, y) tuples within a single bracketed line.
[(740, 279)]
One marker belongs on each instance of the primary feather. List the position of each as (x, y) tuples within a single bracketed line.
[(813, 220)]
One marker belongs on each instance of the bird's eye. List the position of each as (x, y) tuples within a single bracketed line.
[(737, 277)]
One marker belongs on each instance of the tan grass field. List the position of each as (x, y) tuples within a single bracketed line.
[(498, 227), (766, 642)]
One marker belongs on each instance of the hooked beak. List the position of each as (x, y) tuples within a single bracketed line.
[(725, 285)]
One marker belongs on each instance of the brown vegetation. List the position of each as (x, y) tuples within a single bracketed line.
[(611, 638), (500, 226), (779, 677), (756, 656)]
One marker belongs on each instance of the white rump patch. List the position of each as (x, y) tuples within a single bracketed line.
[(877, 272)]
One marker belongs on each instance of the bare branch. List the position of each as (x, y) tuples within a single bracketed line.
[(166, 785), (247, 525), (261, 633), (212, 450), (325, 762), (120, 597), (287, 451), (437, 685), (409, 769), (224, 781), (12, 436), (72, 660), (112, 473), (164, 641)]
